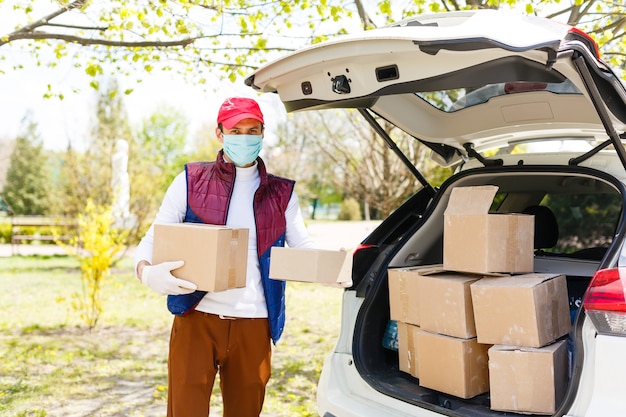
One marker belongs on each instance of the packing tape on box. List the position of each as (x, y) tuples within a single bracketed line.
[(404, 296), (554, 313), (410, 338), (232, 258)]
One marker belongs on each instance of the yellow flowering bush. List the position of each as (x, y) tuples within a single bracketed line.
[(100, 244)]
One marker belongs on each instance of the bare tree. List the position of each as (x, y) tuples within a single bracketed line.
[(337, 151)]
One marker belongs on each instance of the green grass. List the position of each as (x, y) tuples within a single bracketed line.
[(53, 366)]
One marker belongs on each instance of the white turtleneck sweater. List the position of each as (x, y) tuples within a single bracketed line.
[(238, 302)]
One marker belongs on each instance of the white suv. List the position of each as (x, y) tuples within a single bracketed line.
[(463, 83)]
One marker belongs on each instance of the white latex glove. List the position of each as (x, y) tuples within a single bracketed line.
[(159, 277)]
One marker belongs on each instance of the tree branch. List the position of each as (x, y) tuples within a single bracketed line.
[(227, 64), (455, 5), (37, 35), (560, 12), (97, 28), (41, 22), (46, 19), (245, 48), (366, 21), (578, 12)]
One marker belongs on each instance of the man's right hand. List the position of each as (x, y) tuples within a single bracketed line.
[(159, 277)]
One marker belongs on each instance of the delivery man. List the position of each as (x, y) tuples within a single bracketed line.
[(228, 331)]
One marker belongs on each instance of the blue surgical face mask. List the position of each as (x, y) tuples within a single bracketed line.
[(242, 149)]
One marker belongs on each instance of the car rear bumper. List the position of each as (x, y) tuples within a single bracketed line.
[(602, 385), (342, 392)]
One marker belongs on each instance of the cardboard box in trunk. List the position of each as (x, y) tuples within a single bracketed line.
[(310, 265), (407, 348), (451, 365), (528, 380), (477, 242), (445, 304), (216, 257), (523, 310), (404, 293)]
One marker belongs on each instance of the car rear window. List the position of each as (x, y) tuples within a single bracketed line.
[(584, 220)]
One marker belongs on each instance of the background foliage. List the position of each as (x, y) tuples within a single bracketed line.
[(27, 187)]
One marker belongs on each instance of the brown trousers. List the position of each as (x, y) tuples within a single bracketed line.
[(203, 344)]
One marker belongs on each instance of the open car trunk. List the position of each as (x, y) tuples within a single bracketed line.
[(566, 192)]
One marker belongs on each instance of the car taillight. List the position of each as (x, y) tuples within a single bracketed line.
[(605, 301), (360, 247), (582, 36), (363, 257)]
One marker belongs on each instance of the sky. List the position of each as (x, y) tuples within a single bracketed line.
[(63, 121)]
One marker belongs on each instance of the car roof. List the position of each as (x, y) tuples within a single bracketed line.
[(486, 78)]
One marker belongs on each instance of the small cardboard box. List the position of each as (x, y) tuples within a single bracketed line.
[(404, 294), (445, 304), (216, 257), (407, 348), (528, 380), (477, 242), (451, 365), (310, 265), (523, 310)]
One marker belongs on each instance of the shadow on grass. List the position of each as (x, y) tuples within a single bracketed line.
[(112, 371)]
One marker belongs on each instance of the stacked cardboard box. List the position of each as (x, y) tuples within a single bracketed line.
[(529, 310), (528, 380), (407, 348), (436, 332), (450, 358), (524, 316), (482, 243), (463, 341), (403, 291), (404, 309)]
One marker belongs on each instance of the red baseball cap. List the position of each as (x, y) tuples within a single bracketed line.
[(235, 109)]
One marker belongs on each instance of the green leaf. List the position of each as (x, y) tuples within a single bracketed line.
[(93, 69)]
